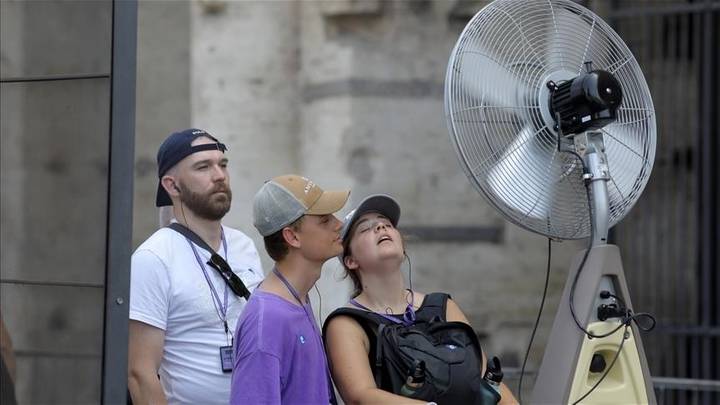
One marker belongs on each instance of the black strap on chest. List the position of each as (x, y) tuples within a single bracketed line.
[(216, 261)]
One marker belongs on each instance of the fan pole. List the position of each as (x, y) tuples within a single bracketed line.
[(573, 362), (591, 148)]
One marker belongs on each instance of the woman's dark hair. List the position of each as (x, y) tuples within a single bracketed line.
[(354, 276), (275, 244)]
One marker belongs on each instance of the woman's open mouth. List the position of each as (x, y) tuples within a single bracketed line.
[(384, 238)]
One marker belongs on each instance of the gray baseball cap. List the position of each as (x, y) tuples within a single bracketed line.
[(380, 203), (284, 199)]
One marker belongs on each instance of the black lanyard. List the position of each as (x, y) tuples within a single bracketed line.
[(216, 261)]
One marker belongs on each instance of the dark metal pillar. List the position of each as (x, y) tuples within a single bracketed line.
[(120, 199), (708, 201)]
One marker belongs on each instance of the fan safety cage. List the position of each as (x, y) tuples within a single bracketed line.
[(496, 104)]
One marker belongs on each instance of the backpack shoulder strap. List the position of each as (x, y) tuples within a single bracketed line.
[(379, 353), (434, 305), (362, 317), (373, 326)]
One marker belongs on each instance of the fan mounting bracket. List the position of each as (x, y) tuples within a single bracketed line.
[(544, 93)]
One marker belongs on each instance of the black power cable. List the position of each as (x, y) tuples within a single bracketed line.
[(629, 316), (608, 368), (537, 321)]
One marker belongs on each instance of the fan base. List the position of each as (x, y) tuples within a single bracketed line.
[(564, 374)]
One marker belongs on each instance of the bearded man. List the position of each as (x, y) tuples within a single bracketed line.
[(184, 300)]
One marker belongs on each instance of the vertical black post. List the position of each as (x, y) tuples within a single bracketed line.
[(708, 190), (120, 199), (715, 315)]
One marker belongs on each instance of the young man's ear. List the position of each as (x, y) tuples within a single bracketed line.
[(290, 237)]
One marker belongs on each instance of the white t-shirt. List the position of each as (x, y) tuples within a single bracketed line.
[(169, 291)]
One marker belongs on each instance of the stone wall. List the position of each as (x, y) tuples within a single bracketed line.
[(350, 94)]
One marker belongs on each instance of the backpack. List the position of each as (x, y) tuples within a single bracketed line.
[(450, 350)]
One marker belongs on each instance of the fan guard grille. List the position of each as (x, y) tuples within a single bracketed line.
[(496, 108)]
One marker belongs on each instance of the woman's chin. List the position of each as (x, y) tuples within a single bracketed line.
[(391, 257)]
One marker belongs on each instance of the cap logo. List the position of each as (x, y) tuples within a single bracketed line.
[(308, 186)]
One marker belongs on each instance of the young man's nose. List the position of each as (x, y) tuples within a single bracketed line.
[(337, 224)]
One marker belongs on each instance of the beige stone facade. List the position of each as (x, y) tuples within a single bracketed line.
[(350, 94)]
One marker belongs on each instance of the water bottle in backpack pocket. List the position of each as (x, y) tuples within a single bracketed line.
[(492, 378), (415, 386), (415, 380)]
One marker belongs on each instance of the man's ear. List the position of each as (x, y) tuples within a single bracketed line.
[(291, 237), (170, 185)]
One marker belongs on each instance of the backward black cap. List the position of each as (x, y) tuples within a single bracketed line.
[(177, 147)]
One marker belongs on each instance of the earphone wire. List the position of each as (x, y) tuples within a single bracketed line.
[(409, 270), (182, 209), (319, 302)]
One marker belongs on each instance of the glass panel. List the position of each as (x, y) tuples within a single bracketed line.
[(54, 205), (57, 338), (55, 174), (55, 37)]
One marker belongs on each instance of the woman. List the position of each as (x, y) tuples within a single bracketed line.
[(374, 252)]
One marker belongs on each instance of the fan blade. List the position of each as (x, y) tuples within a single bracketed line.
[(498, 85), (522, 177)]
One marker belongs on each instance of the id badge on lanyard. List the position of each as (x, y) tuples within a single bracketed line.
[(226, 358), (226, 352)]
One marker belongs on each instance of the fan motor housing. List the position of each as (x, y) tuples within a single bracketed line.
[(588, 101)]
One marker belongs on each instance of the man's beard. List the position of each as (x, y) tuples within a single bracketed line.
[(209, 206)]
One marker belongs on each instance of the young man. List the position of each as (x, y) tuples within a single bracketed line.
[(279, 355), (182, 311)]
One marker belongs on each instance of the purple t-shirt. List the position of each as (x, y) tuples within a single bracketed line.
[(279, 355)]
